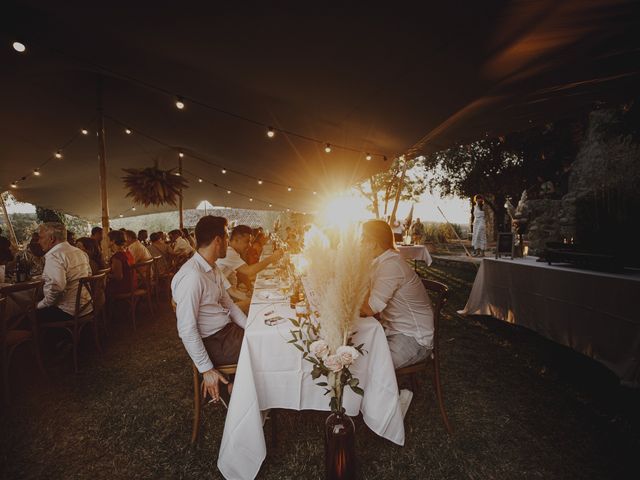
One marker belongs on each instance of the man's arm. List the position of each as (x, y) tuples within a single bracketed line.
[(385, 284), (235, 312), (55, 281), (252, 270)]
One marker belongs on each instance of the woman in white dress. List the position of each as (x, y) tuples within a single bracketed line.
[(479, 239)]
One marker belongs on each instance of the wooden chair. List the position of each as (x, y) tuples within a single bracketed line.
[(438, 293), (143, 289), (160, 279), (12, 331), (85, 313)]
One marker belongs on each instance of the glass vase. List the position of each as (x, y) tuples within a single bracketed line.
[(339, 447)]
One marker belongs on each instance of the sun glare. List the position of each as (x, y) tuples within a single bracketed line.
[(342, 211)]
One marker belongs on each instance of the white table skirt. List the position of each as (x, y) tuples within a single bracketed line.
[(272, 374), (415, 252), (594, 313)]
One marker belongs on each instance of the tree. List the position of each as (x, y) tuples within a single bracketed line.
[(49, 215), (502, 167), (393, 186)]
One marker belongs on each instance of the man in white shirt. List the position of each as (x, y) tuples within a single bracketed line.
[(210, 325), (138, 251), (232, 265), (398, 297), (64, 266)]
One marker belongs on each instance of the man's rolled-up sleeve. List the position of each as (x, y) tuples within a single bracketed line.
[(384, 285)]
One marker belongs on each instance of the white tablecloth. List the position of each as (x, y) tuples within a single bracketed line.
[(415, 252), (272, 374), (593, 313)]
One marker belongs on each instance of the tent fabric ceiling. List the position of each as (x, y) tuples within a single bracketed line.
[(391, 81)]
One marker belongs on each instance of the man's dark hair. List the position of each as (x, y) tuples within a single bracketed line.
[(117, 237), (155, 236), (240, 230), (130, 234), (142, 235), (95, 230), (208, 228), (175, 232)]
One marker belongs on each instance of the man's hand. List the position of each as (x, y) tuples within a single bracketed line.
[(210, 380)]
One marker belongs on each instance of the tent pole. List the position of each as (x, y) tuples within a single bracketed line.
[(180, 199), (7, 219), (102, 157)]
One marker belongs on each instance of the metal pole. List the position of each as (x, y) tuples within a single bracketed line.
[(7, 219), (102, 158), (180, 199)]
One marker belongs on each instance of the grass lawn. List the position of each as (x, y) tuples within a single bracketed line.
[(521, 407)]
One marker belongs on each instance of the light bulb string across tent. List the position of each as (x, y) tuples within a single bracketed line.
[(198, 156), (181, 99), (57, 155)]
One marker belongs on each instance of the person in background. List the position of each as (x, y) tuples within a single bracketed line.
[(159, 248), (90, 247), (138, 251), (396, 227), (71, 237), (189, 238), (259, 240), (96, 235), (479, 238), (64, 266), (35, 255), (181, 247), (417, 232), (210, 325), (143, 237), (6, 255), (234, 267), (122, 277), (398, 297)]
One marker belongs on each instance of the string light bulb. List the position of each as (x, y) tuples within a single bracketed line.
[(289, 189), (368, 156), (121, 215), (228, 192), (199, 180), (271, 132), (14, 184), (327, 148), (315, 193), (133, 208), (19, 47), (224, 170), (177, 174), (260, 182), (36, 172), (84, 131), (181, 155), (128, 131), (251, 199), (270, 205), (179, 103), (58, 154)]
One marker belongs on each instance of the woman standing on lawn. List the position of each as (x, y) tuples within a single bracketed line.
[(479, 239)]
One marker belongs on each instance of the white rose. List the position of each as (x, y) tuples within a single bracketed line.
[(333, 363), (319, 348), (347, 354)]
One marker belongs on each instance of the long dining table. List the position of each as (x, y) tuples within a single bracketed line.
[(272, 374)]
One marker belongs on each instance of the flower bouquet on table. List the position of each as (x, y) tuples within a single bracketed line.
[(337, 275)]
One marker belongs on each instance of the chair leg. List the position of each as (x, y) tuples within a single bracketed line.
[(438, 387), (196, 407)]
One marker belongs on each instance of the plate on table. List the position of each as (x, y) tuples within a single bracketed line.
[(271, 296)]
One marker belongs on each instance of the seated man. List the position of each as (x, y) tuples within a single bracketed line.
[(138, 251), (234, 267), (64, 266), (398, 297), (181, 247), (158, 248), (210, 325)]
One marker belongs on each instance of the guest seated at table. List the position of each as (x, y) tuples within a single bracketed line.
[(143, 237), (159, 248), (189, 238), (138, 251), (64, 266), (210, 325), (6, 255), (398, 297), (122, 277), (89, 246), (258, 241), (35, 255), (180, 246), (234, 267)]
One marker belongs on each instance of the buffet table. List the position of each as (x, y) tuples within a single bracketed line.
[(272, 374), (594, 313)]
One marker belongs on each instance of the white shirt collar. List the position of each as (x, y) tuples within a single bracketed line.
[(383, 256), (56, 247), (200, 260)]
